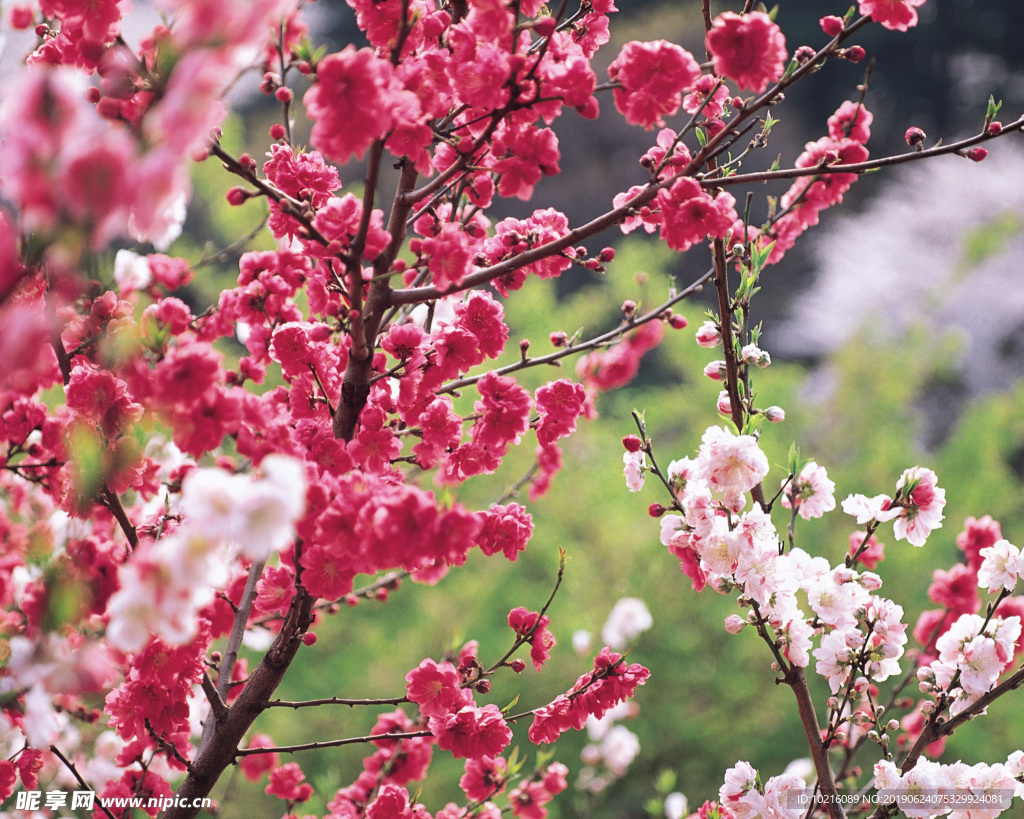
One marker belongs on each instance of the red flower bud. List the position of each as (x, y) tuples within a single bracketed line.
[(995, 128), (656, 510), (977, 154), (544, 26), (853, 54), (518, 666), (632, 443), (831, 25), (915, 137), (309, 638), (236, 196)]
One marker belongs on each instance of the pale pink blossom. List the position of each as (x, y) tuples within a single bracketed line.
[(866, 509), (734, 624), (811, 492), (634, 466), (923, 511), (1001, 567), (835, 598), (739, 779), (628, 619), (708, 335), (732, 464)]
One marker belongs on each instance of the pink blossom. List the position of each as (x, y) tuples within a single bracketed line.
[(350, 103), (978, 534), (897, 15), (923, 510), (506, 529), (733, 464), (708, 335), (851, 121), (749, 49), (651, 78), (1001, 566), (635, 465), (810, 493), (435, 688), (485, 776), (472, 732), (689, 215), (541, 640)]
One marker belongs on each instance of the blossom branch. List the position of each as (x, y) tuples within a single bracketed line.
[(597, 341), (336, 701), (524, 638), (222, 749), (867, 165), (796, 680), (166, 746), (330, 743), (78, 777), (217, 706)]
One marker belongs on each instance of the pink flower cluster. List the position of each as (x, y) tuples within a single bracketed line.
[(848, 131), (612, 681), (916, 509)]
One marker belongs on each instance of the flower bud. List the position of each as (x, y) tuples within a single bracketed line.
[(977, 154), (524, 347), (708, 335), (544, 26), (656, 510), (853, 54), (309, 638), (915, 137), (283, 94), (482, 686), (716, 370), (831, 25), (724, 404), (277, 131), (677, 321), (774, 414), (236, 196), (804, 54), (632, 443), (559, 339), (518, 666), (629, 308), (734, 624), (994, 128)]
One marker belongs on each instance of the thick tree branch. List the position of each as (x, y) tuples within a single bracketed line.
[(222, 749), (796, 680)]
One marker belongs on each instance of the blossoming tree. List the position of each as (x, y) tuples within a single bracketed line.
[(160, 508)]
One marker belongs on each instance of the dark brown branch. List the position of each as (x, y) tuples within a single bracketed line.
[(330, 743), (222, 749), (861, 167), (335, 701), (78, 777), (591, 344), (796, 680)]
